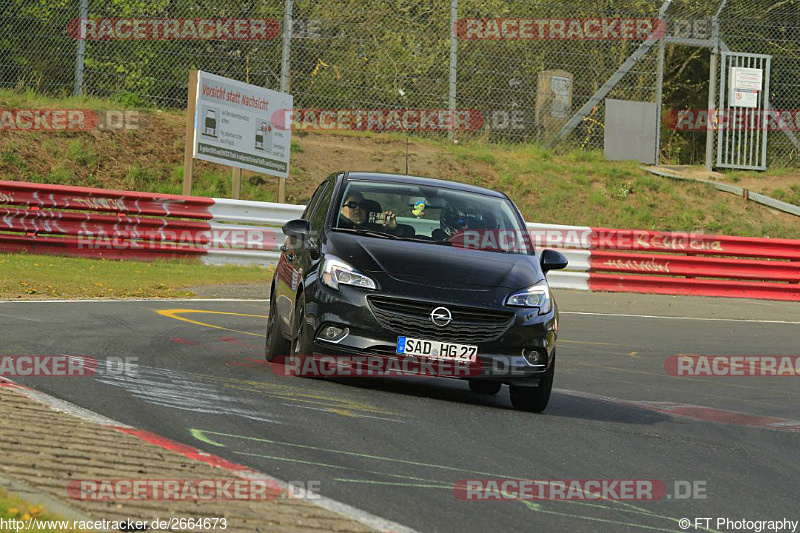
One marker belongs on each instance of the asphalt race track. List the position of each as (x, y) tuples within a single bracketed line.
[(395, 447)]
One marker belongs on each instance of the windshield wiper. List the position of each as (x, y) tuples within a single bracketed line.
[(371, 233), (429, 241)]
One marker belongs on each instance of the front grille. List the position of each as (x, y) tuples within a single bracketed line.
[(413, 318)]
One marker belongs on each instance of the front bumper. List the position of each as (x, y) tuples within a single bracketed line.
[(500, 359)]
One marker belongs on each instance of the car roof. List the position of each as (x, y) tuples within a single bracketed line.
[(418, 180)]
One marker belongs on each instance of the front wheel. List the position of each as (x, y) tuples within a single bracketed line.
[(276, 344), (534, 399), (302, 342)]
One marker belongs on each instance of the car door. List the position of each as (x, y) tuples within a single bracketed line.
[(289, 270)]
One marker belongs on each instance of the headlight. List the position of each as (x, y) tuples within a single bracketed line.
[(535, 296), (336, 272)]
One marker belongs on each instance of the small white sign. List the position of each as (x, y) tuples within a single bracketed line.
[(560, 87), (745, 99), (745, 86), (233, 125)]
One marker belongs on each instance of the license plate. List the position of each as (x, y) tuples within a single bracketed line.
[(443, 350)]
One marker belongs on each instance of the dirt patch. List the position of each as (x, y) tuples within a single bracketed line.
[(323, 154)]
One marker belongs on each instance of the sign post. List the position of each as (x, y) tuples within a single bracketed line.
[(236, 183), (188, 154)]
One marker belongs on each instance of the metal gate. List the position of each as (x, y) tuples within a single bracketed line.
[(741, 121)]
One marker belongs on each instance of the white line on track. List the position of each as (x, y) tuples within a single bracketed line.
[(705, 319)]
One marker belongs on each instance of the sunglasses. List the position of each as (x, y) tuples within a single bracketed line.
[(353, 204)]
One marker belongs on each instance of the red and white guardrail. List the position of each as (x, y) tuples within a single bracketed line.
[(604, 259), (86, 222)]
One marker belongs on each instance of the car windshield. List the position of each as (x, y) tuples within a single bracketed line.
[(433, 215)]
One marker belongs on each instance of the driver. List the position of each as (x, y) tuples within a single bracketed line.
[(354, 213)]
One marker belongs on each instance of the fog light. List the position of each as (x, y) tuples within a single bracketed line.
[(333, 333), (534, 356)]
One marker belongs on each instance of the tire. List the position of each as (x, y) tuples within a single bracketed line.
[(484, 387), (302, 342), (276, 344), (534, 399)]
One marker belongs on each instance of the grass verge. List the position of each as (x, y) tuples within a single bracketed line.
[(13, 508), (42, 276)]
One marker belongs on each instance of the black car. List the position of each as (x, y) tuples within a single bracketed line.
[(397, 266)]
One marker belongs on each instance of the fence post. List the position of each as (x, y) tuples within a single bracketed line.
[(287, 46), (453, 64), (662, 46), (80, 54), (286, 62), (712, 87)]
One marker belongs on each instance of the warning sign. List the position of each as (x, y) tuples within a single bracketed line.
[(745, 86)]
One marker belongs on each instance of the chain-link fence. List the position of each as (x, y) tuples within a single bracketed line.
[(399, 54), (771, 28), (748, 26)]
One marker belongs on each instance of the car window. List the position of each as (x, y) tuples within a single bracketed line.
[(317, 217), (432, 214), (312, 203)]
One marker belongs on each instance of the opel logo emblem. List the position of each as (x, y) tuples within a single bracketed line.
[(441, 316)]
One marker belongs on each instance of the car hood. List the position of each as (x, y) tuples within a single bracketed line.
[(416, 262)]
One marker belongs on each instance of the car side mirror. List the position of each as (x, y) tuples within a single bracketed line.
[(552, 260), (297, 229)]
